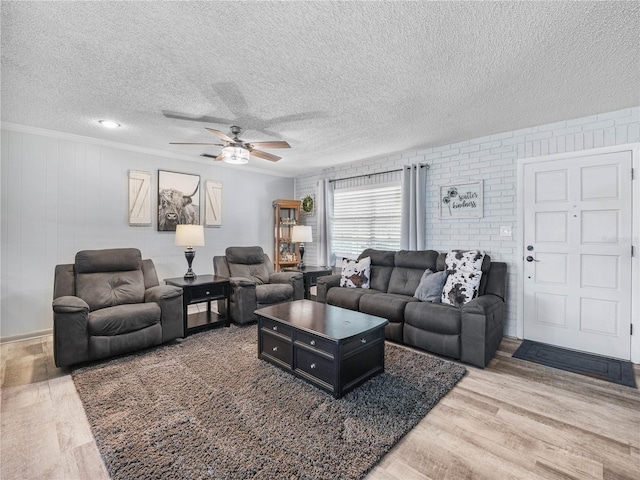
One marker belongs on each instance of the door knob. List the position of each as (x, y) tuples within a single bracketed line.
[(531, 259)]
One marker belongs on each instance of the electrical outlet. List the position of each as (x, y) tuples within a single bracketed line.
[(505, 230)]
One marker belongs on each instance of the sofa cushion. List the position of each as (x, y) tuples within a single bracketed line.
[(257, 272), (382, 263), (271, 293), (123, 319), (431, 286), (404, 281), (348, 297), (106, 289), (420, 259), (108, 260), (356, 274), (385, 305), (433, 317)]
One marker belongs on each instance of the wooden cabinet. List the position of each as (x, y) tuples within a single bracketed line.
[(286, 216)]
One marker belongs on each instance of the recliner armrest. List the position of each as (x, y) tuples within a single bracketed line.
[(161, 292), (70, 331), (70, 304), (169, 299), (243, 300), (295, 279), (481, 329), (324, 284)]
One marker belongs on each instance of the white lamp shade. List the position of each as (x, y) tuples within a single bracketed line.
[(301, 233), (189, 235)]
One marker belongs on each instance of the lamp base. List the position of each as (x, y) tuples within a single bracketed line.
[(301, 255), (189, 253)]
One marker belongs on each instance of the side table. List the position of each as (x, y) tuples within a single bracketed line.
[(310, 274), (203, 288)]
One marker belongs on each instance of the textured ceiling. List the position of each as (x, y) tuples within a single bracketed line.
[(340, 81)]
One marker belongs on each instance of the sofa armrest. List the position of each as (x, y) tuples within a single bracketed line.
[(70, 331), (324, 284), (481, 329), (243, 301), (169, 299), (295, 279)]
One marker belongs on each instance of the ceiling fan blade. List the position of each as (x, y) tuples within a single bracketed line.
[(275, 144), (219, 134), (208, 156), (265, 155), (220, 158), (191, 143)]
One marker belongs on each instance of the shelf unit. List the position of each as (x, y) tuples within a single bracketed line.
[(286, 216)]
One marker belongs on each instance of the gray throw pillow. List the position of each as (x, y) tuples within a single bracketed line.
[(431, 285)]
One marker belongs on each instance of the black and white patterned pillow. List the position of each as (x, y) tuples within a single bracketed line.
[(464, 277), (356, 274)]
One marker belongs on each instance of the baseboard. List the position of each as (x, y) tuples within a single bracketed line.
[(26, 336)]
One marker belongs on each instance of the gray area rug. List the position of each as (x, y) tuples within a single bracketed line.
[(596, 366), (207, 407)]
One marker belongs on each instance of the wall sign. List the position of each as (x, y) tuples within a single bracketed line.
[(461, 200)]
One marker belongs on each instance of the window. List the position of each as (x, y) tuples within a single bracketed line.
[(366, 217)]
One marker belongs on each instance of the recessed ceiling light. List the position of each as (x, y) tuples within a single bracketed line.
[(109, 123)]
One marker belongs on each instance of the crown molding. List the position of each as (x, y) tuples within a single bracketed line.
[(72, 137)]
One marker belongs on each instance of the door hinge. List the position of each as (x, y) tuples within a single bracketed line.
[(632, 250), (632, 172), (631, 329)]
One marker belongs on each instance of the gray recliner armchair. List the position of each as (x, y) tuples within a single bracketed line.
[(109, 302), (254, 284)]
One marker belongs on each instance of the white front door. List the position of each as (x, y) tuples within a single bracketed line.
[(577, 248)]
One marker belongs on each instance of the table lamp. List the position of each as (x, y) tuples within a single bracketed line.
[(301, 234), (189, 236)]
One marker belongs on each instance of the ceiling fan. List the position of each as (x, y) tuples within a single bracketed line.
[(236, 150)]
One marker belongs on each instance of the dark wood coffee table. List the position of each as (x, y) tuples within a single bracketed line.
[(334, 348)]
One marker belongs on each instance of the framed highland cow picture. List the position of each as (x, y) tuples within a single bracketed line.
[(178, 200)]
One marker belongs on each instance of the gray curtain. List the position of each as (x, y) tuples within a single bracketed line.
[(325, 214), (414, 207)]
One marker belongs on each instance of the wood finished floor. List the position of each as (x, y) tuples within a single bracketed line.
[(513, 419)]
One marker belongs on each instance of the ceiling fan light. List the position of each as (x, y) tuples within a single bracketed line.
[(235, 155)]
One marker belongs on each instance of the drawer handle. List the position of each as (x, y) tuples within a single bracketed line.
[(275, 349), (312, 342), (313, 365), (275, 328), (363, 340)]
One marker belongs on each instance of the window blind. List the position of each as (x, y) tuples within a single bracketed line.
[(366, 217)]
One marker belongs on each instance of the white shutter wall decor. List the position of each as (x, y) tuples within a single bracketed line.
[(139, 198), (212, 203)]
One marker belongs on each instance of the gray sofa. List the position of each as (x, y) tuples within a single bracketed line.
[(470, 334), (109, 302), (254, 284)]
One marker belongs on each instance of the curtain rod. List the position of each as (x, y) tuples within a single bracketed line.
[(377, 173)]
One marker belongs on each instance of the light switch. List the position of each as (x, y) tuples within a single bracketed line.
[(505, 230)]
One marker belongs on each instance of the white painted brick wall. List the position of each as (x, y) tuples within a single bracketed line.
[(493, 159)]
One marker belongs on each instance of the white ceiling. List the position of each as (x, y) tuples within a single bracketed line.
[(340, 81)]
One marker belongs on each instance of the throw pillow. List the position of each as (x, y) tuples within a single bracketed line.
[(461, 287), (431, 285), (356, 274), (464, 276)]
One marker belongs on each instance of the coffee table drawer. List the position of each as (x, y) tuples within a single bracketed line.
[(272, 326), (315, 365), (362, 341), (276, 347), (316, 342)]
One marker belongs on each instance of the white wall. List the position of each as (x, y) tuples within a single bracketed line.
[(493, 159), (59, 196)]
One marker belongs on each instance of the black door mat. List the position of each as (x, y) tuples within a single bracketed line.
[(604, 368)]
